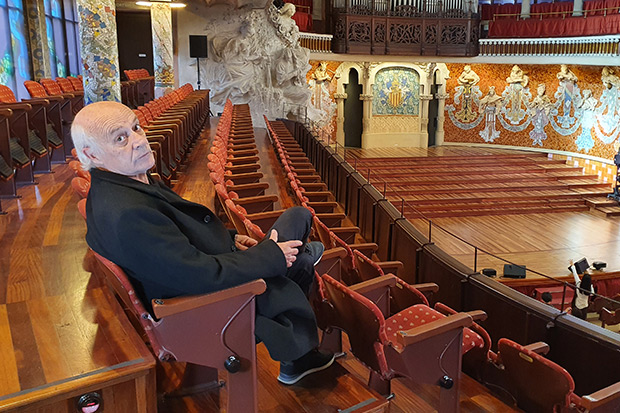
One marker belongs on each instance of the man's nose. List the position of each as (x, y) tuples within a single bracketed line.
[(139, 140)]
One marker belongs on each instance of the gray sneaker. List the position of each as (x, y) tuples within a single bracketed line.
[(315, 249)]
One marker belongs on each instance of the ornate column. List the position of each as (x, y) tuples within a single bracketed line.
[(366, 119), (340, 97), (99, 47), (525, 9), (161, 27), (39, 55), (578, 8), (424, 99), (441, 117)]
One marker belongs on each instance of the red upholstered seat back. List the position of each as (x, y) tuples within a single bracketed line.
[(541, 384), (7, 95), (77, 83), (362, 320), (118, 280), (81, 186), (65, 85), (35, 89), (51, 87)]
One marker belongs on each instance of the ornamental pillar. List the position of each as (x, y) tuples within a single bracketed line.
[(161, 28), (424, 99), (439, 133), (525, 9), (99, 50), (366, 119), (340, 97), (40, 54)]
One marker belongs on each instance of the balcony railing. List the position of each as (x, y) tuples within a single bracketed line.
[(318, 43), (562, 46), (405, 27)]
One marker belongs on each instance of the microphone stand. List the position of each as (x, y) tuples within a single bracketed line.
[(198, 70)]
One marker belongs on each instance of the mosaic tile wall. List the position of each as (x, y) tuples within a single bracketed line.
[(396, 92), (577, 109)]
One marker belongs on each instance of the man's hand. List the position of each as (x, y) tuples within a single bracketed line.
[(289, 248), (243, 242)]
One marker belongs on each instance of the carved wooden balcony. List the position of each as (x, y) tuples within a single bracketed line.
[(405, 27)]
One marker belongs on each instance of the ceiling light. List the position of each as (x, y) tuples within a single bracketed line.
[(150, 3)]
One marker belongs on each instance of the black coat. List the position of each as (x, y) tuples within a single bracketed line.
[(170, 247)]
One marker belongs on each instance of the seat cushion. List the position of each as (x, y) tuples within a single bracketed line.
[(420, 314)]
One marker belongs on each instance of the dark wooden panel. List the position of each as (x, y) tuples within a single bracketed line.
[(356, 182), (406, 240), (385, 217), (369, 196), (438, 267)]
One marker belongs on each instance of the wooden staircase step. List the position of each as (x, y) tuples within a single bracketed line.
[(498, 211), (497, 196), (498, 204), (610, 211), (600, 201)]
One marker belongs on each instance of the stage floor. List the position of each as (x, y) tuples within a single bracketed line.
[(543, 242)]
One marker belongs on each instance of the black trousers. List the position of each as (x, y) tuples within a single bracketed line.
[(285, 321)]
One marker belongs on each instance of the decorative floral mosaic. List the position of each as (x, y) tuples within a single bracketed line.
[(38, 45), (161, 22), (99, 51), (396, 91), (567, 108)]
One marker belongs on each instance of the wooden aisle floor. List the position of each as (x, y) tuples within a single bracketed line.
[(41, 251), (542, 242)]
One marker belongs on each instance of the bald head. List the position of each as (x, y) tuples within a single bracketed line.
[(107, 135)]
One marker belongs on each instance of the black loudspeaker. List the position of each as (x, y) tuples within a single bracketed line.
[(514, 271), (581, 266), (198, 46)]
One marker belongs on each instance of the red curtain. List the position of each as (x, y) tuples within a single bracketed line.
[(489, 10), (303, 20), (573, 26)]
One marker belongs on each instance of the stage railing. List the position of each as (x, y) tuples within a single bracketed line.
[(317, 43), (511, 313)]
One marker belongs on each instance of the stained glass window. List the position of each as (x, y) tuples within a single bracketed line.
[(14, 64), (62, 37)]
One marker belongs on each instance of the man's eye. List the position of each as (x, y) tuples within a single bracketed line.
[(120, 139), (137, 128)]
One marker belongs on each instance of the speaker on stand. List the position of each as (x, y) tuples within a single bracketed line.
[(198, 49)]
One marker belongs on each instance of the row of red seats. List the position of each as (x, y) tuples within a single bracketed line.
[(551, 10), (389, 322), (38, 130), (172, 123), (340, 304), (138, 88)]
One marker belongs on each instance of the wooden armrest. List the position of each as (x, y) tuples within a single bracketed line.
[(538, 347), (477, 315), (14, 106), (7, 113), (40, 101), (68, 95), (367, 248), (330, 262), (390, 267), (374, 284), (424, 287), (170, 306), (417, 334), (609, 397)]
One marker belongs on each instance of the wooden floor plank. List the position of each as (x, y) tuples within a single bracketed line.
[(9, 378)]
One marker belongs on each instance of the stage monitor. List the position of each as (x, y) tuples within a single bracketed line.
[(581, 266), (198, 46)]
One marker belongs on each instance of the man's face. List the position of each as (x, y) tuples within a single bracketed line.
[(124, 148)]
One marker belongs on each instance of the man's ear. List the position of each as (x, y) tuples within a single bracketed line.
[(92, 155)]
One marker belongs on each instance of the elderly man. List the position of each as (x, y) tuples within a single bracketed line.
[(169, 246)]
